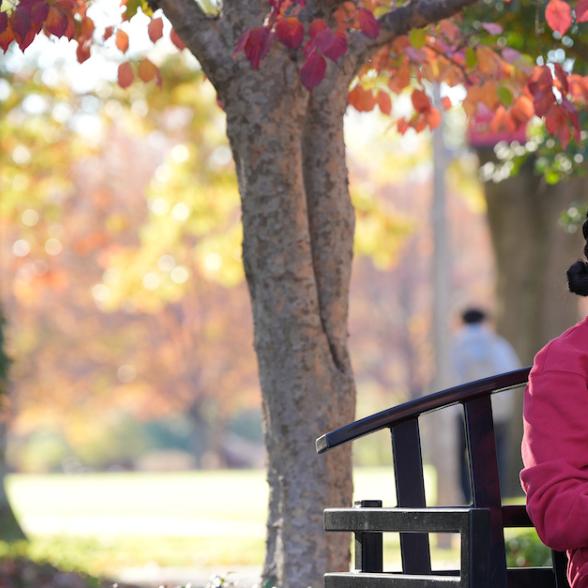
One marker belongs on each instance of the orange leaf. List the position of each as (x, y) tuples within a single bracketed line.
[(558, 15), (401, 78), (420, 101), (125, 75), (108, 33), (433, 118), (522, 110), (148, 71), (175, 39), (402, 126), (155, 29), (83, 52), (361, 99), (488, 61), (122, 41), (384, 103), (446, 102)]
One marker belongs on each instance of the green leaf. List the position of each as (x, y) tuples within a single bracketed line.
[(417, 38), (505, 95), (134, 5), (470, 58)]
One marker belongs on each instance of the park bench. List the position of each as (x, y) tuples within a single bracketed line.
[(480, 525)]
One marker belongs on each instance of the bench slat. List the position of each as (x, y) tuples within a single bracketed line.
[(485, 486), (410, 492), (403, 520), (389, 580)]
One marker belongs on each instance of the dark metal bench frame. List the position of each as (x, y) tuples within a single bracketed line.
[(481, 525)]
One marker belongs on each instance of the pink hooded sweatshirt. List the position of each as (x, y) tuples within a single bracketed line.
[(555, 448)]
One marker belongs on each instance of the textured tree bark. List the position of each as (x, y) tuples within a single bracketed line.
[(297, 250), (532, 254)]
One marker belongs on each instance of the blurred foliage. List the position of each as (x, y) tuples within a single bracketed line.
[(541, 151), (526, 550), (573, 217), (526, 31)]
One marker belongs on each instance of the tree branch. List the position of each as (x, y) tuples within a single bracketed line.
[(200, 32), (414, 15)]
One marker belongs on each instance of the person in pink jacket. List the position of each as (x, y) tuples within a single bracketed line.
[(555, 440)]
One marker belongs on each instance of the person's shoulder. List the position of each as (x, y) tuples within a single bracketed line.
[(567, 352)]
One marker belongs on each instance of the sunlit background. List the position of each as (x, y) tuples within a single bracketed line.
[(134, 400)]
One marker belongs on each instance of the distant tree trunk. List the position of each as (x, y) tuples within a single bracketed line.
[(532, 253), (10, 530)]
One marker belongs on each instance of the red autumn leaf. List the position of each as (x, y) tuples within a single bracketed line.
[(368, 24), (108, 31), (3, 21), (57, 21), (331, 45), (446, 102), (121, 41), (155, 29), (148, 71), (558, 15), (6, 38), (21, 25), (542, 102), (175, 39), (420, 101), (83, 52), (39, 12), (313, 70), (255, 44), (316, 26), (125, 75), (290, 32), (361, 99), (402, 125), (384, 103), (582, 11), (562, 78)]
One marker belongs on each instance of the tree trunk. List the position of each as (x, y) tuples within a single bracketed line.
[(10, 529), (298, 235), (532, 253)]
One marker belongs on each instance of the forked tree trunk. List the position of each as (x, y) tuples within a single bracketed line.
[(532, 252), (298, 237)]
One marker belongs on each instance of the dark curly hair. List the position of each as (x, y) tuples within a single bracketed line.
[(578, 272)]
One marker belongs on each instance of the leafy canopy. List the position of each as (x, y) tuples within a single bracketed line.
[(513, 60)]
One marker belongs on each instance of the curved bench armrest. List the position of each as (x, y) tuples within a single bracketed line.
[(414, 408)]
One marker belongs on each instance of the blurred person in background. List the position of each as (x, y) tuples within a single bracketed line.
[(478, 352)]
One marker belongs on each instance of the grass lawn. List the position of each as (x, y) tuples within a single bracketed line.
[(102, 523)]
